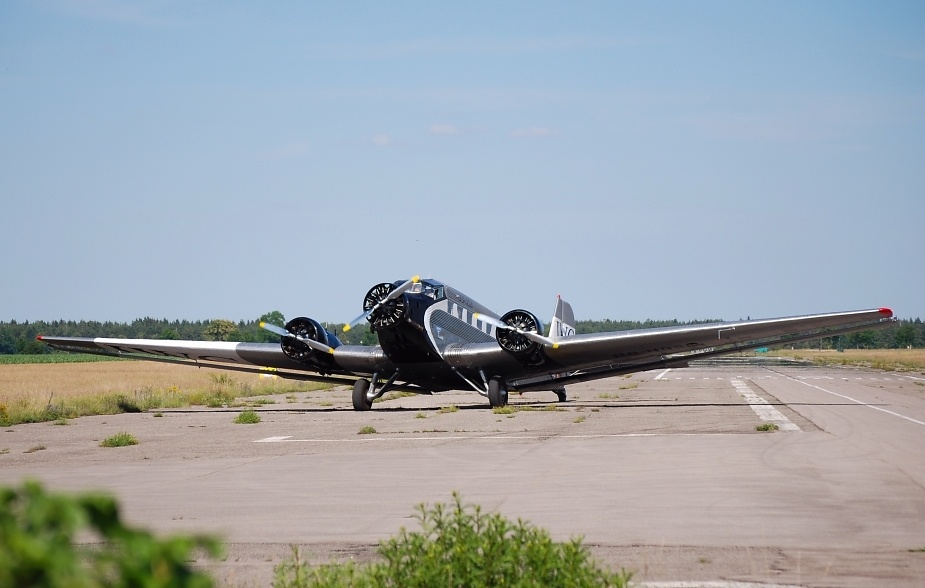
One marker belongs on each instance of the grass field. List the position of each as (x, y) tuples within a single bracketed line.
[(37, 392), (881, 359), (55, 358)]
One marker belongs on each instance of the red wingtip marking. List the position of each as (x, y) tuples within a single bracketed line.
[(39, 338), (886, 311)]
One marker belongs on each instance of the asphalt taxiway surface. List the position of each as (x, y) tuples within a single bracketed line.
[(663, 472)]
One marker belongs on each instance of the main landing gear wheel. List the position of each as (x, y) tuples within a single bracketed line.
[(560, 394), (497, 393), (360, 400)]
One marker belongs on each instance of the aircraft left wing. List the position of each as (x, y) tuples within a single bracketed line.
[(245, 357)]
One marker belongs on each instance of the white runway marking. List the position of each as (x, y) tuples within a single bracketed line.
[(765, 411), (273, 439), (856, 401), (662, 375), (384, 437), (716, 584)]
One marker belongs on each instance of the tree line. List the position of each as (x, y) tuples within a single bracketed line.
[(20, 337)]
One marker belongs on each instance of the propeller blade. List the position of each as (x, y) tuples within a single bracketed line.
[(395, 293), (284, 333), (275, 329), (498, 324)]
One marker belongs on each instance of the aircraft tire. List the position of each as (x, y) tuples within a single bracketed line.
[(560, 394), (359, 395), (497, 394)]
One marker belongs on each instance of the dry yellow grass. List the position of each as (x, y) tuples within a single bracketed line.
[(891, 359), (76, 389)]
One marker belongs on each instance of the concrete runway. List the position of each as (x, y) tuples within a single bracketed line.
[(662, 472)]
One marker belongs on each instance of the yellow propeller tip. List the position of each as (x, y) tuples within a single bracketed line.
[(331, 351), (346, 328), (262, 324), (555, 345), (416, 279)]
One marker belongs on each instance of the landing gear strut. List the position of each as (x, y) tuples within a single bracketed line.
[(497, 393), (366, 391), (560, 394)]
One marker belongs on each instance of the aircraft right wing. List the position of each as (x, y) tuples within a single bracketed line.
[(598, 355)]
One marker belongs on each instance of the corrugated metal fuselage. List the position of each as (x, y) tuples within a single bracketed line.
[(436, 317)]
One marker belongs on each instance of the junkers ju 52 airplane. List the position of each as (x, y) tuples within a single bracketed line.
[(433, 338)]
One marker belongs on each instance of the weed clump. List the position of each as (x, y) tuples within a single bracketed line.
[(767, 427), (119, 440), (367, 430), (460, 545), (248, 417)]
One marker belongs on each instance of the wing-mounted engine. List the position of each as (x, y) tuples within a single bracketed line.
[(296, 345), (522, 336)]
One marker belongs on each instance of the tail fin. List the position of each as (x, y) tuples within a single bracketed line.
[(563, 321)]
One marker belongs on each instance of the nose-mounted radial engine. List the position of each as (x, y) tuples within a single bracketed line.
[(384, 305)]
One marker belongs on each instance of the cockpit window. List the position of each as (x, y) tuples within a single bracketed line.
[(435, 292)]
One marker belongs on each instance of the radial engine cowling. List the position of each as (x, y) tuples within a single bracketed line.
[(307, 328), (385, 312), (515, 343)]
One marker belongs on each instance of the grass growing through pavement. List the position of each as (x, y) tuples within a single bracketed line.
[(448, 409), (48, 392), (248, 417), (394, 396), (119, 440), (767, 427), (460, 545), (367, 430)]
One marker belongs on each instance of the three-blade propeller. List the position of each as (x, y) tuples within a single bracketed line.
[(395, 293), (532, 335), (284, 333)]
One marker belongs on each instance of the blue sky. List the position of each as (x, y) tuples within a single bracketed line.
[(197, 160)]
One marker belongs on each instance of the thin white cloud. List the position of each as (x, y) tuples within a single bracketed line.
[(910, 55), (381, 140), (287, 151), (477, 46), (443, 129), (533, 133), (139, 13)]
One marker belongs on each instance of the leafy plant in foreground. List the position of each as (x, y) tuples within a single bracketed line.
[(38, 531), (461, 546)]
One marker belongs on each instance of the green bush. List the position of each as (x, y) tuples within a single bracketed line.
[(122, 439), (37, 545), (248, 417), (460, 546)]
